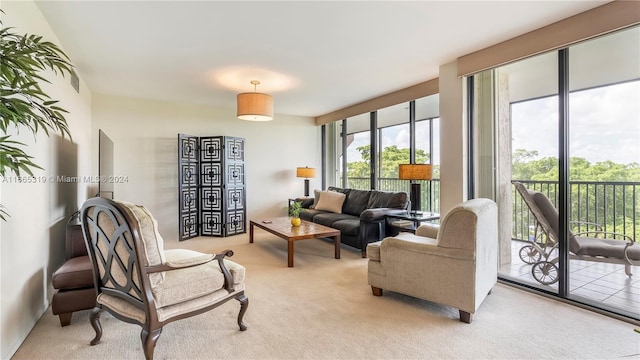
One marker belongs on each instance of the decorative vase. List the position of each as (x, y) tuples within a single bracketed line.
[(295, 221)]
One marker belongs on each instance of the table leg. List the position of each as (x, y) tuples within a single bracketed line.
[(251, 233), (290, 254), (337, 245)]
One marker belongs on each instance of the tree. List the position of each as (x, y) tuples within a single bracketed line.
[(391, 157), (23, 103)]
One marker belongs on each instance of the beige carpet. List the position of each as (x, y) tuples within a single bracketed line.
[(323, 309)]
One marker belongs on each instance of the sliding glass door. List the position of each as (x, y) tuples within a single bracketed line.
[(604, 157), (566, 125)]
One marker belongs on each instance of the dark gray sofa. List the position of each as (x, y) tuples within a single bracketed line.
[(362, 220)]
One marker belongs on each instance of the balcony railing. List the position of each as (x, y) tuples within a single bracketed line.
[(430, 189), (614, 205)]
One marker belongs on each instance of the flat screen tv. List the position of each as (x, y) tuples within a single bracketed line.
[(105, 166)]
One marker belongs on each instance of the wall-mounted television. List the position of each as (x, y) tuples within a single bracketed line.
[(105, 166)]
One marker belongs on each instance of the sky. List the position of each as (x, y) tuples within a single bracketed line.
[(604, 124)]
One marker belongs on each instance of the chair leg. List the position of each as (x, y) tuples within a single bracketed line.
[(627, 270), (149, 340), (65, 318), (376, 291), (95, 324), (465, 317), (244, 304)]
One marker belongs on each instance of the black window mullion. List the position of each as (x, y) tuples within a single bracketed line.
[(373, 133), (563, 171)]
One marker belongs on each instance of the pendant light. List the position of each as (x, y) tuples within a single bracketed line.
[(255, 106)]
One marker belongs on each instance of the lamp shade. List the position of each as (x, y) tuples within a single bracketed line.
[(255, 106), (305, 172), (414, 172)]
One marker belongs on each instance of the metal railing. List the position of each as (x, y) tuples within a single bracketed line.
[(613, 205), (430, 189)]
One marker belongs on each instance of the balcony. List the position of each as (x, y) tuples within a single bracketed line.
[(614, 205)]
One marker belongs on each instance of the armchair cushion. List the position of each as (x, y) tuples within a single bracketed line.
[(152, 240), (188, 283)]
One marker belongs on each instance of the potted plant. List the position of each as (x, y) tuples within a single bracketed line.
[(294, 211), (23, 103)]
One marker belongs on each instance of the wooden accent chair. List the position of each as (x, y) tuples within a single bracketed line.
[(140, 283), (454, 264)]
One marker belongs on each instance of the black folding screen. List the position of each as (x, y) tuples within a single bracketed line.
[(211, 186)]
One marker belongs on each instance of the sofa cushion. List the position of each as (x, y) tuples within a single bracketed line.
[(347, 226), (340, 190), (308, 214), (331, 201), (386, 199), (328, 218), (356, 202)]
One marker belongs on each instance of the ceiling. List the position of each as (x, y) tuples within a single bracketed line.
[(314, 57)]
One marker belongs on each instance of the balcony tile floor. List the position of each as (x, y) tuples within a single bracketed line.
[(596, 282)]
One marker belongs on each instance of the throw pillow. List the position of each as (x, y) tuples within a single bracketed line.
[(316, 196), (331, 201)]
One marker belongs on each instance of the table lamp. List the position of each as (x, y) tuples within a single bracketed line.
[(306, 172), (415, 172)]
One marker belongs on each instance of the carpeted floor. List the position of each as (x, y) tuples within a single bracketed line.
[(323, 309)]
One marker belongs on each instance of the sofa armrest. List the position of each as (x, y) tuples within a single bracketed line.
[(306, 202), (378, 214)]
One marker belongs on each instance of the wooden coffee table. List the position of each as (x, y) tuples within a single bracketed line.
[(282, 228)]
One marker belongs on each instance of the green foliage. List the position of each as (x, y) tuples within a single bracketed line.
[(295, 208), (23, 103), (391, 157), (595, 193), (526, 167)]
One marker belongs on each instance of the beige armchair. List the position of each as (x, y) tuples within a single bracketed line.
[(137, 281), (454, 264)]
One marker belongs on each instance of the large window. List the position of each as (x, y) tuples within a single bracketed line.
[(395, 144), (580, 148)]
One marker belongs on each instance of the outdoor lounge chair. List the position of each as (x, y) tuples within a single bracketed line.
[(590, 245)]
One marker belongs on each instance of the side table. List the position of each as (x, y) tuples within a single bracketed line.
[(409, 221)]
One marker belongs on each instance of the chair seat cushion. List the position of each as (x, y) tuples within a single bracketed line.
[(75, 273), (606, 248), (193, 282)]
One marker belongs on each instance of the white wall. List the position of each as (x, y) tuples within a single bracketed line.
[(32, 239), (145, 137)]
